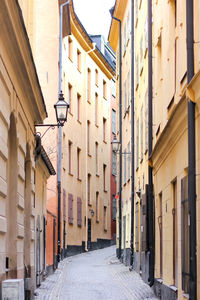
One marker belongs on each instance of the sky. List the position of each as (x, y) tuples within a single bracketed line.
[(94, 15)]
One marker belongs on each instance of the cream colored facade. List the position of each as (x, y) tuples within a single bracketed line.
[(86, 142), (123, 12), (170, 138), (169, 158), (21, 106)]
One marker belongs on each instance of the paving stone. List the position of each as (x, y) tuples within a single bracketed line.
[(95, 275)]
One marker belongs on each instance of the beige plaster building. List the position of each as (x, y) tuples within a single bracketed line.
[(23, 171), (174, 89), (174, 157), (86, 142)]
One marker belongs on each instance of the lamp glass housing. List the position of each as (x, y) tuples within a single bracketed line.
[(61, 108), (115, 144)]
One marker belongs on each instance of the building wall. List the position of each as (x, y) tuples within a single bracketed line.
[(170, 154), (76, 133), (21, 106), (169, 158)]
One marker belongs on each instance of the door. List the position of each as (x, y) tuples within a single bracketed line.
[(38, 231), (175, 235), (54, 244), (64, 234), (160, 233), (89, 245), (124, 235)]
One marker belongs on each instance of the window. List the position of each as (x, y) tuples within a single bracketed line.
[(125, 97), (141, 133), (104, 177), (114, 208), (129, 162), (137, 72), (113, 88), (78, 163), (146, 122), (70, 157), (141, 55), (137, 147), (88, 137), (146, 36), (128, 27), (70, 208), (104, 129), (88, 85), (105, 218), (96, 157), (79, 212), (89, 187), (113, 121), (78, 60), (104, 89), (70, 48), (97, 206), (70, 97), (114, 163), (125, 171), (125, 38), (96, 77), (96, 109), (128, 89), (64, 205), (78, 107), (185, 240)]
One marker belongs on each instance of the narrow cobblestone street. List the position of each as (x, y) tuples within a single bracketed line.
[(96, 275)]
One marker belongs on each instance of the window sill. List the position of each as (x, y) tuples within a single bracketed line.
[(70, 58), (97, 175), (79, 122), (79, 179), (89, 101), (97, 221), (78, 69), (105, 230), (71, 113), (97, 125), (105, 191), (104, 142), (105, 98), (89, 204), (70, 174), (89, 155), (79, 225)]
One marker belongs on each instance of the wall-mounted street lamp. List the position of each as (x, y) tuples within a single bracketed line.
[(92, 212), (61, 110), (115, 144)]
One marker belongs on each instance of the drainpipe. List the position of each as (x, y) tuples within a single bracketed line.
[(132, 135), (150, 136), (60, 131), (191, 152)]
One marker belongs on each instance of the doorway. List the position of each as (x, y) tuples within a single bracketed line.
[(89, 245)]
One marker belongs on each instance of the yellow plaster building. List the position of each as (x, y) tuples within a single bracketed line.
[(86, 169), (22, 196), (175, 100)]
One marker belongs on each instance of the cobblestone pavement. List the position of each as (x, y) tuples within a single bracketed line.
[(95, 275)]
